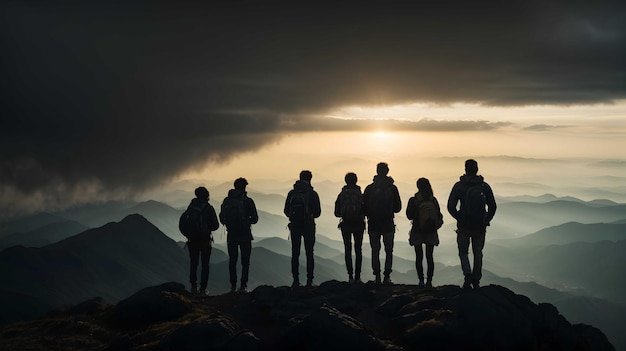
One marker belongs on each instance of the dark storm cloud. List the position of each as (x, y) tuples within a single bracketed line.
[(129, 95)]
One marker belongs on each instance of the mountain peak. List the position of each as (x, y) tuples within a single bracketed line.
[(134, 218), (334, 315)]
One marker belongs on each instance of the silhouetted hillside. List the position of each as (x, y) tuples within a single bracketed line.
[(110, 261), (521, 218), (28, 223), (592, 269), (570, 233), (44, 235), (333, 316)]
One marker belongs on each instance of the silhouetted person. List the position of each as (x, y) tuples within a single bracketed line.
[(302, 206), (425, 214), (381, 200), (478, 206), (200, 245), (238, 213), (349, 207)]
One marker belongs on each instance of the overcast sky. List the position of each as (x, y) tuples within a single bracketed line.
[(102, 100)]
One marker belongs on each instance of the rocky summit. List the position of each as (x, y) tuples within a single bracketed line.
[(332, 316)]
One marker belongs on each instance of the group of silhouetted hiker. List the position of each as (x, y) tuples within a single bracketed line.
[(471, 203)]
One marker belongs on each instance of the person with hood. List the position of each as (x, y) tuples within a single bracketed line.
[(302, 206), (200, 244), (425, 215), (349, 207), (238, 213), (477, 208), (381, 200)]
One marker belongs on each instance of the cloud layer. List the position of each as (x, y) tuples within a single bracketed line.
[(117, 98)]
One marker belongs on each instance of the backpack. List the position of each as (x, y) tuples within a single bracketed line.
[(429, 216), (232, 211), (192, 224), (299, 207), (380, 201), (351, 204), (473, 210)]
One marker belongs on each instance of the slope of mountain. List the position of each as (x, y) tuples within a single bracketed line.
[(568, 233), (28, 223), (98, 214), (593, 269), (44, 235), (333, 316), (521, 218), (110, 261)]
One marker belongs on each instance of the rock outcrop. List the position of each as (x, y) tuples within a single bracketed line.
[(332, 316)]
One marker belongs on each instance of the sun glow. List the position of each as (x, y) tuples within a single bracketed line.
[(381, 134)]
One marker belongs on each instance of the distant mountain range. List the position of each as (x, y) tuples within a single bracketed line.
[(118, 258), (568, 233), (44, 235), (109, 261), (563, 243)]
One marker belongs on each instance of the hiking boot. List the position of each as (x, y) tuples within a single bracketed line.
[(203, 292), (377, 279), (309, 283), (243, 288), (387, 280), (194, 289), (295, 284), (421, 283), (233, 288), (475, 284), (350, 278), (429, 284)]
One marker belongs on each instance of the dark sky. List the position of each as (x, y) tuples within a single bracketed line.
[(105, 99)]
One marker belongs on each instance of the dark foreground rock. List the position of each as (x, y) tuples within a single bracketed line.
[(333, 316)]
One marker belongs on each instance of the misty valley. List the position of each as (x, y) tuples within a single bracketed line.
[(562, 251)]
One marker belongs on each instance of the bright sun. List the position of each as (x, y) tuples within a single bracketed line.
[(381, 134)]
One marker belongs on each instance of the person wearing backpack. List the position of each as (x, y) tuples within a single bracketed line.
[(349, 207), (477, 208), (197, 223), (302, 206), (425, 214), (238, 213), (381, 200)]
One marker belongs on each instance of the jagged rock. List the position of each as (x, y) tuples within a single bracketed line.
[(332, 316), (164, 302)]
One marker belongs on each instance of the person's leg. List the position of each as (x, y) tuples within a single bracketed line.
[(246, 250), (296, 240), (430, 263), (463, 241), (358, 252), (419, 256), (309, 242), (233, 253), (205, 252), (375, 244), (347, 247), (194, 257), (388, 241), (478, 243)]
